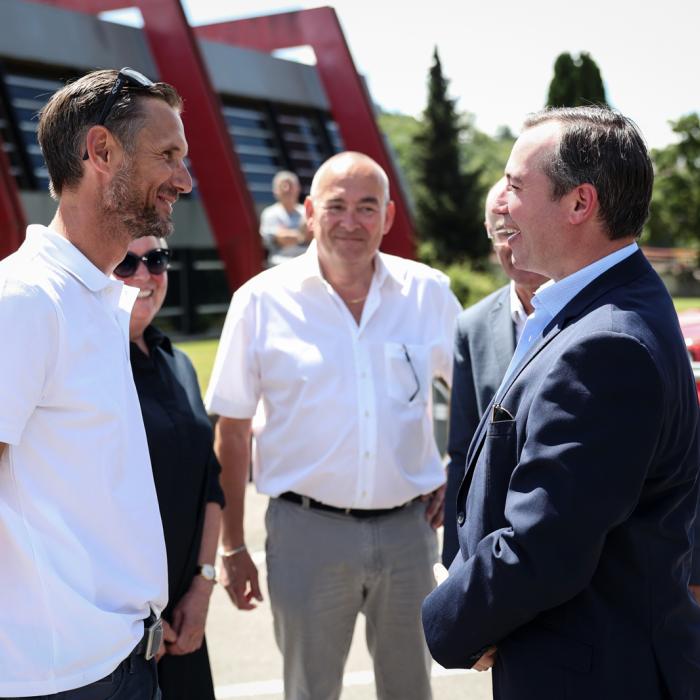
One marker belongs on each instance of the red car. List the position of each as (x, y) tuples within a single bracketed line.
[(690, 325)]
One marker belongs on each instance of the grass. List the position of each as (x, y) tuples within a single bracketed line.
[(202, 353), (683, 303)]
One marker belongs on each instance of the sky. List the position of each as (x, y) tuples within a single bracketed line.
[(499, 56)]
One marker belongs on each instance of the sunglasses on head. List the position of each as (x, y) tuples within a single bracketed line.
[(157, 261), (125, 77)]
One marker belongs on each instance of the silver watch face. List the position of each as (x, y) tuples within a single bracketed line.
[(208, 571)]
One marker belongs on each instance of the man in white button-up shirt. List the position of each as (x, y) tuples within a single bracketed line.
[(83, 557), (340, 346)]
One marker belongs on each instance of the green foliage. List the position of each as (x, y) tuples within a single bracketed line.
[(576, 82), (400, 130), (470, 284), (447, 196), (563, 89), (488, 156), (675, 205)]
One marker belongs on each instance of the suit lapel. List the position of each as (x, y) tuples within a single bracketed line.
[(621, 274), (502, 332)]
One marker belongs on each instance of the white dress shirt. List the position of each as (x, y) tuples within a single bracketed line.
[(81, 542), (347, 406), (517, 312)]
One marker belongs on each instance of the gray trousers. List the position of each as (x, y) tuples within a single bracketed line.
[(323, 569)]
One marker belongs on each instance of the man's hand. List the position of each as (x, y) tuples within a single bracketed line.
[(435, 511), (486, 660), (239, 576), (695, 590), (169, 637), (190, 617)]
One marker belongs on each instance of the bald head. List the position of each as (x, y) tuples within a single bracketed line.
[(349, 164)]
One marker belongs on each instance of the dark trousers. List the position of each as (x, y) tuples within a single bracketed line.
[(134, 679)]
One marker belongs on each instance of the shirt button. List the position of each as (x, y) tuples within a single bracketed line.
[(366, 455), (366, 414), (460, 518), (363, 375)]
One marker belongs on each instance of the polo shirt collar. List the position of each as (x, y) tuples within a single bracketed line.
[(62, 252)]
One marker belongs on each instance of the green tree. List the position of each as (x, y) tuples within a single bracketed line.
[(447, 196), (488, 155), (576, 82), (675, 205), (563, 90), (591, 88), (400, 130)]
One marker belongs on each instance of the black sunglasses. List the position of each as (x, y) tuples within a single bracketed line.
[(125, 77), (157, 261)]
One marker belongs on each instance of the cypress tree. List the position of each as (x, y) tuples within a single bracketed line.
[(591, 88), (576, 82), (563, 89), (447, 198)]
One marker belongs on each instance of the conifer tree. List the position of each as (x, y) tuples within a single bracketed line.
[(447, 197), (576, 82)]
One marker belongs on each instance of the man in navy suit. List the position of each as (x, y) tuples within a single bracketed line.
[(581, 481), (484, 344)]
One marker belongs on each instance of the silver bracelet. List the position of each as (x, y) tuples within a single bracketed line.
[(230, 552)]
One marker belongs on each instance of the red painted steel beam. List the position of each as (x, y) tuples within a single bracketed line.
[(350, 103), (220, 180), (12, 220)]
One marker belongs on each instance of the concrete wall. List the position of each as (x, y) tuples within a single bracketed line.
[(41, 35), (35, 33)]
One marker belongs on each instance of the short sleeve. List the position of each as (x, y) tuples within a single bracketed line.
[(268, 224), (234, 387), (28, 324)]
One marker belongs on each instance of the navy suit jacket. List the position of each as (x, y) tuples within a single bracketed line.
[(575, 513), (484, 345)]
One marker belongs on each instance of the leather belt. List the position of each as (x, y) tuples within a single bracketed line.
[(307, 502)]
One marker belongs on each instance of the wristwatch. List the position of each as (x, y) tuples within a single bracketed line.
[(207, 572)]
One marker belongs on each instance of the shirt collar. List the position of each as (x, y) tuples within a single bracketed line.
[(384, 266), (517, 310), (61, 251), (552, 296)]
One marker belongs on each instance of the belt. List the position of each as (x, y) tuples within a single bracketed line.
[(307, 502), (152, 637)]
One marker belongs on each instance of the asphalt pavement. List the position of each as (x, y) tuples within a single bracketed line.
[(245, 660)]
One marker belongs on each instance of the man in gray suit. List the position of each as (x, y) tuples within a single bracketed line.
[(485, 341)]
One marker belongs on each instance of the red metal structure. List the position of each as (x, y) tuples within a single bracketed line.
[(12, 223), (221, 184), (350, 104)]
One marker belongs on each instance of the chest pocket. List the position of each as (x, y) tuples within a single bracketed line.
[(407, 372)]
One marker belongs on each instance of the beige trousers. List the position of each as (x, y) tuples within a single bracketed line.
[(324, 569)]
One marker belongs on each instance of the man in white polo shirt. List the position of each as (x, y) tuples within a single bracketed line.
[(340, 345), (83, 573)]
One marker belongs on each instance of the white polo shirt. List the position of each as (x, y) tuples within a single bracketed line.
[(347, 413), (81, 542)]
